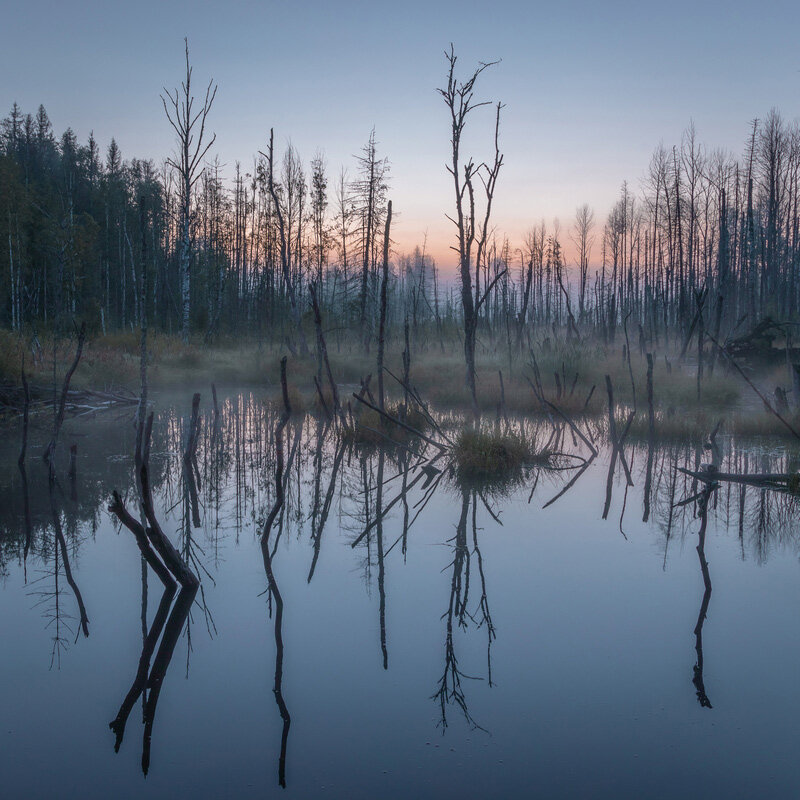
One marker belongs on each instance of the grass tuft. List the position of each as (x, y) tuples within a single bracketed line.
[(480, 455)]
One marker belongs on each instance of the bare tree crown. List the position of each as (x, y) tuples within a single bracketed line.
[(189, 124)]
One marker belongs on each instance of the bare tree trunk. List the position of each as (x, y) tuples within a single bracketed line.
[(189, 126), (287, 277), (382, 324), (60, 406), (458, 96)]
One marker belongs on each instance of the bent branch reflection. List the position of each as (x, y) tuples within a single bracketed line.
[(272, 586), (171, 569)]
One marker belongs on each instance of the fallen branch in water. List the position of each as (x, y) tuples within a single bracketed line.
[(404, 425), (556, 410), (781, 481), (414, 394)]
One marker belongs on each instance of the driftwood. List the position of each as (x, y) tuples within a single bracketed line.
[(758, 343), (778, 481), (78, 401)]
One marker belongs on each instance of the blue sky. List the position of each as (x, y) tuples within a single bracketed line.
[(590, 89)]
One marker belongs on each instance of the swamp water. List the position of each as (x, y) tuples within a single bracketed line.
[(471, 644)]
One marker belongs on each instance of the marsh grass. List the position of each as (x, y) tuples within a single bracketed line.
[(437, 372), (491, 455)]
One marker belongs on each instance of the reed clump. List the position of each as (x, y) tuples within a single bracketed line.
[(487, 455)]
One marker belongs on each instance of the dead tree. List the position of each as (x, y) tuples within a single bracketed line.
[(382, 324), (285, 267), (152, 531), (189, 124), (25, 416), (58, 411), (322, 355), (584, 240), (472, 233), (368, 193)]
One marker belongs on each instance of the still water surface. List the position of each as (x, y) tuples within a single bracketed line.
[(473, 644)]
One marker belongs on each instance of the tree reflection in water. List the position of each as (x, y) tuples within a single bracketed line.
[(307, 481), (275, 597)]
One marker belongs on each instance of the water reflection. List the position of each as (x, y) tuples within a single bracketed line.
[(381, 560), (706, 477), (218, 474), (274, 593), (172, 569), (319, 516), (450, 690), (148, 681), (61, 546), (28, 523)]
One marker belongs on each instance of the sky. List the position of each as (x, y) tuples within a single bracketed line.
[(590, 89)]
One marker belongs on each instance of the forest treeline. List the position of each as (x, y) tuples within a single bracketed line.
[(89, 235)]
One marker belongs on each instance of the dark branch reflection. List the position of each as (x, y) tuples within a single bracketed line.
[(275, 596), (450, 690), (171, 569), (216, 476)]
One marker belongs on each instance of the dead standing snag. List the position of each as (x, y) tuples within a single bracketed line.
[(472, 232)]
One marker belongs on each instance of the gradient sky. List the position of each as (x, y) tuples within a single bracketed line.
[(590, 88)]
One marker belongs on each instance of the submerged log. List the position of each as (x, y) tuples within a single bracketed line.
[(780, 481)]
